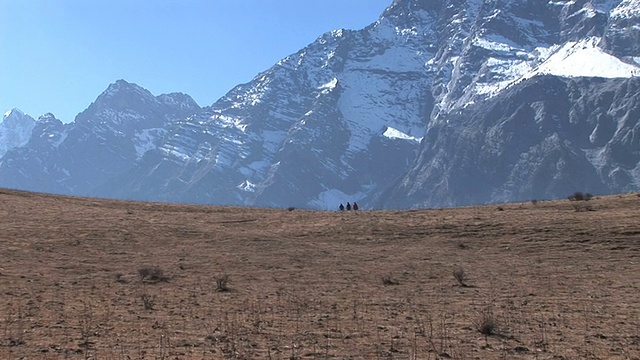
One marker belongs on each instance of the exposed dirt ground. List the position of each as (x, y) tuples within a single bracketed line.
[(88, 278)]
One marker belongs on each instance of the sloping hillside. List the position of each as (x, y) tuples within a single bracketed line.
[(89, 278)]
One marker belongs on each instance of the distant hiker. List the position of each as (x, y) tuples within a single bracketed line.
[(341, 207), (355, 205), (348, 206)]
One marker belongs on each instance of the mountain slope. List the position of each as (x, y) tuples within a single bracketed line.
[(309, 132), (545, 138), (437, 103)]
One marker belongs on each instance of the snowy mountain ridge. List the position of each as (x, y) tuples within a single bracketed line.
[(430, 96)]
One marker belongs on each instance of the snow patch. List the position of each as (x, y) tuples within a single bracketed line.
[(145, 140), (229, 122), (61, 137), (493, 44), (392, 133), (247, 186), (326, 88), (503, 73), (584, 58)]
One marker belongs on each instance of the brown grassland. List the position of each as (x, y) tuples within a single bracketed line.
[(102, 279)]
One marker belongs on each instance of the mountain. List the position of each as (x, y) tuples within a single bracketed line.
[(437, 103), (106, 139), (545, 138), (15, 130), (549, 108)]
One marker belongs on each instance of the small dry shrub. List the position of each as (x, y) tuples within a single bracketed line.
[(579, 196), (461, 276), (152, 275), (486, 323), (582, 207), (388, 280), (222, 283), (148, 301), (120, 278)]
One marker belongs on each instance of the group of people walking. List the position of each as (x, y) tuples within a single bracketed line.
[(349, 207)]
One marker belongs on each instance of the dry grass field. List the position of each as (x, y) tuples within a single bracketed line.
[(100, 279)]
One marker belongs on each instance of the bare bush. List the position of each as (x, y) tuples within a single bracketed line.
[(461, 276), (486, 323), (579, 196), (120, 278), (388, 280), (582, 208), (222, 283), (152, 275), (148, 301)]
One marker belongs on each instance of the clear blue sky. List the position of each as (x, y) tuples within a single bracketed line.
[(59, 55)]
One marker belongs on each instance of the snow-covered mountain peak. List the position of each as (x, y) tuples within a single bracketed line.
[(15, 130), (15, 112), (15, 118)]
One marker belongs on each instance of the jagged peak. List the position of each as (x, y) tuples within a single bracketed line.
[(48, 117), (405, 10), (123, 87), (176, 98), (119, 95), (15, 117), (408, 6), (14, 111)]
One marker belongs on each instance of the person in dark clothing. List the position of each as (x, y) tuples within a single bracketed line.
[(355, 205), (348, 206), (341, 207)]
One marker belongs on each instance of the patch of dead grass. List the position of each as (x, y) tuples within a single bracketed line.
[(306, 284)]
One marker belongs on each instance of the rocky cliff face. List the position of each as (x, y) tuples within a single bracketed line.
[(544, 138), (437, 103), (528, 121)]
